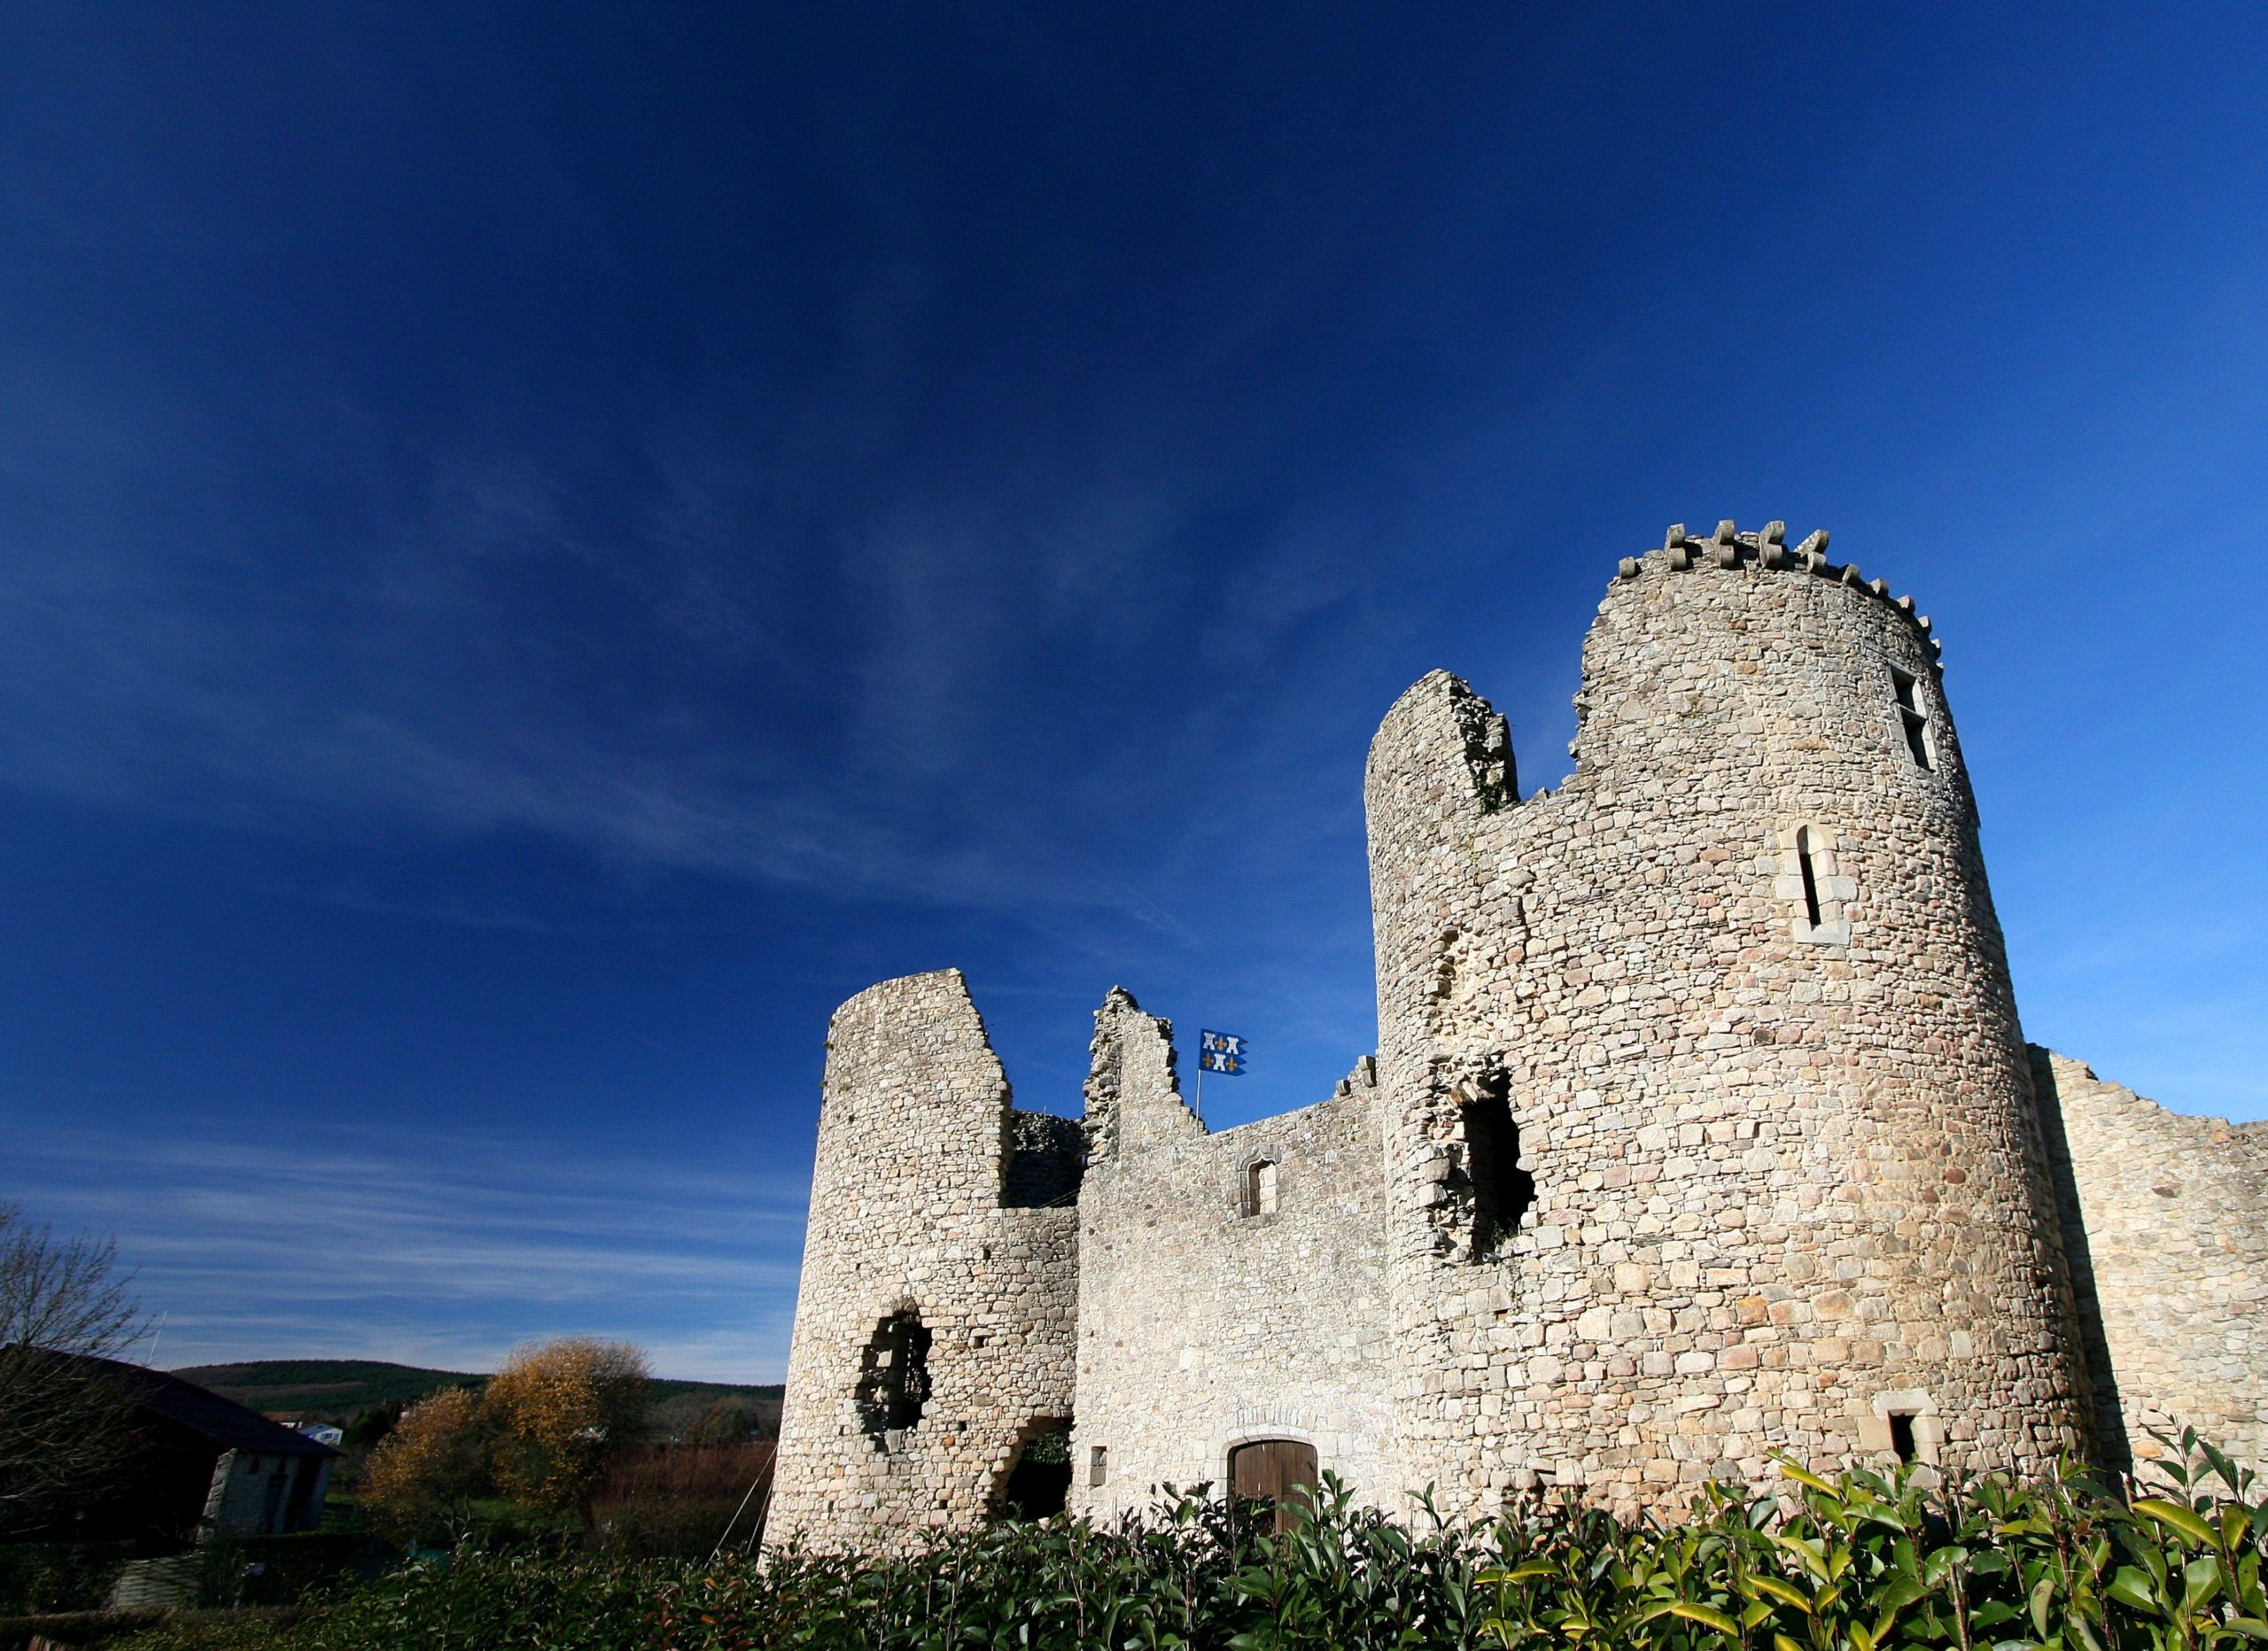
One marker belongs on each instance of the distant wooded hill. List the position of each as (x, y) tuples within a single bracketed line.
[(339, 1389)]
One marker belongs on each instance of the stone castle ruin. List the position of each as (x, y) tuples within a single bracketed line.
[(1701, 1127)]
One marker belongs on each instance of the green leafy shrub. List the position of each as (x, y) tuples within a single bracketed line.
[(254, 1629), (479, 1602), (1864, 1561), (59, 1576), (280, 1570), (1873, 1562)]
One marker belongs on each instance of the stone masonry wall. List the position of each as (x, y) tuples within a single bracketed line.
[(1205, 1321), (1701, 1128), (2166, 1220), (1133, 1092), (907, 1214), (1787, 1181)]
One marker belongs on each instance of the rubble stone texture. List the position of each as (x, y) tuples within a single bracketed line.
[(909, 1213), (2165, 1219), (1701, 1128)]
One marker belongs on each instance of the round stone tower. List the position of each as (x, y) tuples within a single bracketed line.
[(936, 1318), (1709, 1129)]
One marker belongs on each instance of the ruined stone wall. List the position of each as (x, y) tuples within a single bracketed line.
[(1786, 1177), (1702, 1129), (1206, 1320), (911, 1214), (2165, 1219), (1133, 1091)]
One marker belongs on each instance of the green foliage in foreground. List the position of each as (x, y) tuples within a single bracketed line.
[(1860, 1562), (59, 1576)]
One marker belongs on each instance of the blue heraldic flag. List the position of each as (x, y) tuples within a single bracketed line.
[(1217, 1052)]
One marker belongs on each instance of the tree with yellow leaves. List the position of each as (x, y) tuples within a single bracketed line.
[(422, 1477), (559, 1413)]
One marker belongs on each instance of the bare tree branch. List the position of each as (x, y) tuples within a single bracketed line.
[(65, 1425)]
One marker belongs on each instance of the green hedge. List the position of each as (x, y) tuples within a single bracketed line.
[(59, 1576), (1860, 1562), (282, 1571)]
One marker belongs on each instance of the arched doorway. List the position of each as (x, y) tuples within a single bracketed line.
[(1278, 1473)]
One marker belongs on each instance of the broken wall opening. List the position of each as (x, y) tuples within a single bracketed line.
[(1037, 1482), (1043, 1160), (1502, 1190), (894, 1376)]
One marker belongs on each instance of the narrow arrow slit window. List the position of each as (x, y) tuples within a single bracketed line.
[(1806, 858), (1815, 882)]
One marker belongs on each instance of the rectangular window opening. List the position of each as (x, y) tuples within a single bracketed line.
[(1098, 1464), (1913, 718), (1901, 1435), (1259, 1186), (1917, 738)]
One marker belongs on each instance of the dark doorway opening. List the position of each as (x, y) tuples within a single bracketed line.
[(1901, 1437), (1272, 1477), (1502, 1190), (1039, 1482)]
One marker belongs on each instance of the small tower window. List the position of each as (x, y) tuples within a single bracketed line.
[(1098, 1464), (1261, 1180), (1815, 885), (1809, 860), (1905, 1426), (1913, 716)]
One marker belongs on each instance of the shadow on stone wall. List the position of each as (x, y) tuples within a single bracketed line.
[(2112, 1448)]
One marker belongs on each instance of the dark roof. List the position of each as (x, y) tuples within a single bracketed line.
[(227, 1424)]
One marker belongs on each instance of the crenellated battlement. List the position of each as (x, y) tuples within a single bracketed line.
[(1767, 549)]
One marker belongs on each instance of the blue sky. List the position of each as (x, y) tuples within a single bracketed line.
[(542, 549)]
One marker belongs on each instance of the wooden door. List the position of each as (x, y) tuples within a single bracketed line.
[(1278, 1472)]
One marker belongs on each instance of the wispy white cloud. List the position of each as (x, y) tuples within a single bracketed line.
[(331, 1242), (723, 689)]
